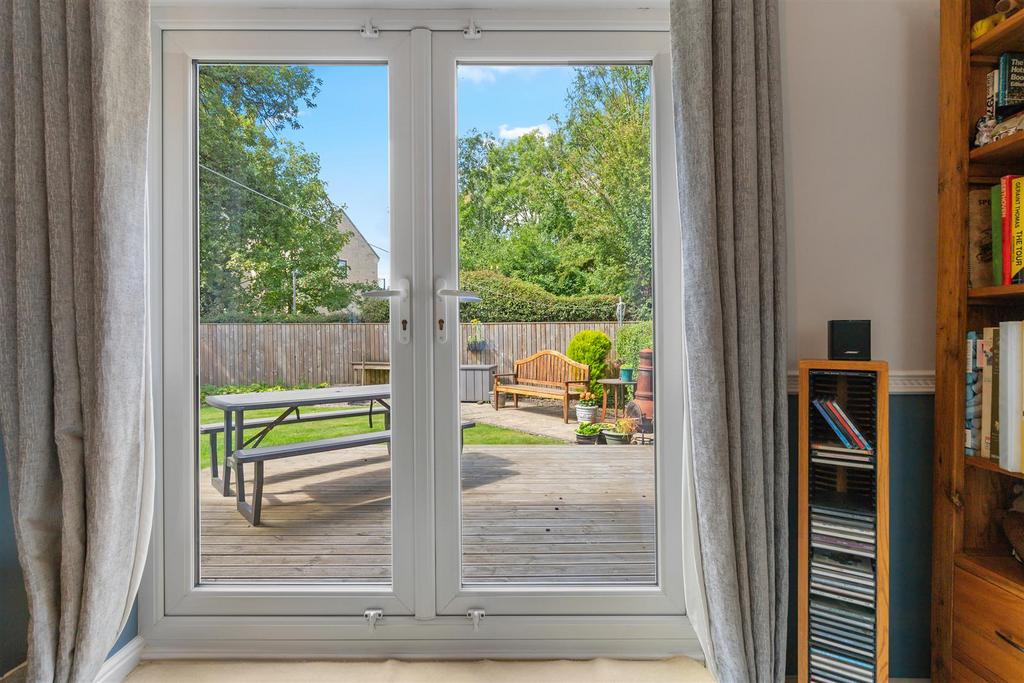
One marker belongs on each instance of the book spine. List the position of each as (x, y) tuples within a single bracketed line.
[(994, 418), (979, 239), (1011, 83), (986, 393), (1017, 225), (997, 234), (991, 92), (828, 418), (1006, 188)]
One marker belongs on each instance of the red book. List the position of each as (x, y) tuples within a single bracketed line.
[(1006, 188)]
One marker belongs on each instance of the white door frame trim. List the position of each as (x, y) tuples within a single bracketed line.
[(417, 636)]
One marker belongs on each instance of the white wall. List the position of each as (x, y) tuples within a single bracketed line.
[(860, 88)]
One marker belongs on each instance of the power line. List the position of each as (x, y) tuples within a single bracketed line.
[(278, 202)]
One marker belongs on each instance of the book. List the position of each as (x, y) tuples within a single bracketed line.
[(979, 238), (1006, 221), (1017, 230), (991, 92), (987, 370), (972, 402), (996, 202), (1010, 95), (1010, 395)]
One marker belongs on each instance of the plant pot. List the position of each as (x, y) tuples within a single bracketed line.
[(616, 438), (626, 374), (585, 414), (586, 440), (476, 346)]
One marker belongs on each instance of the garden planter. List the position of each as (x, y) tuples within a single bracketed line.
[(476, 346), (585, 414), (616, 438), (626, 374), (586, 440)]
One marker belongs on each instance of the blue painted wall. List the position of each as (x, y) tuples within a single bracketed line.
[(14, 624), (911, 421)]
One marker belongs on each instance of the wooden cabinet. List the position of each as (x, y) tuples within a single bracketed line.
[(977, 588), (988, 633)]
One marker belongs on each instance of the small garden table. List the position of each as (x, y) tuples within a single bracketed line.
[(617, 387)]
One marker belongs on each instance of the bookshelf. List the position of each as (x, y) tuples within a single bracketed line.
[(843, 520), (975, 581)]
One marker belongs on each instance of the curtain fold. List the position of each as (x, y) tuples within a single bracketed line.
[(725, 59), (75, 394)]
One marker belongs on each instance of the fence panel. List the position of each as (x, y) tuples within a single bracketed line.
[(316, 353)]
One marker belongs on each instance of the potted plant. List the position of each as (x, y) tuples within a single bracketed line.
[(621, 432), (476, 342), (586, 407), (626, 373), (587, 433)]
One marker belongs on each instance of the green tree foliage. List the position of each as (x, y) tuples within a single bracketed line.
[(570, 212), (505, 299), (249, 245), (591, 347)]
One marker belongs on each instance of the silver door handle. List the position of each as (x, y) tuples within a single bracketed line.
[(401, 293), (442, 295)]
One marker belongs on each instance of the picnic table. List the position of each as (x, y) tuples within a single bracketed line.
[(291, 402)]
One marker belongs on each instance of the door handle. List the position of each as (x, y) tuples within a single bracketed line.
[(401, 293), (442, 295)]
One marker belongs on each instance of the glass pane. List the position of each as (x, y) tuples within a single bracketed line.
[(293, 228), (557, 359)]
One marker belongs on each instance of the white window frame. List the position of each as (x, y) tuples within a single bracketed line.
[(218, 632), (509, 47)]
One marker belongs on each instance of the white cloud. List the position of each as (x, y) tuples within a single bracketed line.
[(482, 74), (506, 133)]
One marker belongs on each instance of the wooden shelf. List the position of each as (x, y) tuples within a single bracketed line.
[(1008, 150), (1006, 294), (990, 465), (1002, 570), (1007, 37)]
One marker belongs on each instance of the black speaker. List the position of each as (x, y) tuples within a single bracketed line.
[(849, 340)]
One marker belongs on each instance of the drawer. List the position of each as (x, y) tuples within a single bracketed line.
[(988, 628)]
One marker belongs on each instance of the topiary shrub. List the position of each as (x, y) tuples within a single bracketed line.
[(508, 300), (591, 347), (632, 339)]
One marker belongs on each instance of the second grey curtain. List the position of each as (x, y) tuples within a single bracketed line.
[(725, 58), (75, 408)]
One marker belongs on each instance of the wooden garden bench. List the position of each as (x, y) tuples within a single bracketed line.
[(260, 454), (545, 374)]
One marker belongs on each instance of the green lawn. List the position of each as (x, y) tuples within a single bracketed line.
[(310, 431)]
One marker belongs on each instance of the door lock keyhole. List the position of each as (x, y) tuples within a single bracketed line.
[(405, 325), (440, 324)]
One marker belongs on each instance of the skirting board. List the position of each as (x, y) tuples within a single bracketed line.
[(118, 666), (900, 382)]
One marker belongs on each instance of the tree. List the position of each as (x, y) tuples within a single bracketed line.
[(264, 212), (571, 211)]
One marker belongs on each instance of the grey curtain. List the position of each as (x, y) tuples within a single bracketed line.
[(725, 58), (75, 409)]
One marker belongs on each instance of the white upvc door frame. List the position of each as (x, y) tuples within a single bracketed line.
[(414, 629), (182, 52), (576, 47)]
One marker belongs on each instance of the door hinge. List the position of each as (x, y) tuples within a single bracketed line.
[(476, 615), (472, 32), (372, 616), (369, 30)]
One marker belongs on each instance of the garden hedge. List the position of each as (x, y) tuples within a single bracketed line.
[(507, 300)]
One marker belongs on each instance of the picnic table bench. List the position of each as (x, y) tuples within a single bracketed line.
[(545, 374), (252, 511)]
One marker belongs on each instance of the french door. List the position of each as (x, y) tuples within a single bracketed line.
[(277, 142)]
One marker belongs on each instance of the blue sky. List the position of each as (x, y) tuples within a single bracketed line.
[(348, 128)]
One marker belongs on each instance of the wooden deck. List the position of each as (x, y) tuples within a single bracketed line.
[(532, 514)]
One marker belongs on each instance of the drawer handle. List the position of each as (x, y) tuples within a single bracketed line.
[(1010, 641)]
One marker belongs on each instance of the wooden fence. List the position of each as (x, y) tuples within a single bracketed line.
[(314, 353)]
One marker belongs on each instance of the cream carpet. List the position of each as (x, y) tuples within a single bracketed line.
[(675, 670)]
